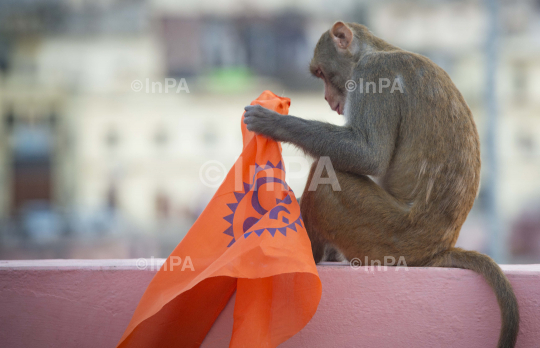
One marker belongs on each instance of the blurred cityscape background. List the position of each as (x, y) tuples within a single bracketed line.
[(92, 167)]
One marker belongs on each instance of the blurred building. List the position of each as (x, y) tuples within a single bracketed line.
[(84, 152)]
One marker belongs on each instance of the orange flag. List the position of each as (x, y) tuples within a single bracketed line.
[(249, 239)]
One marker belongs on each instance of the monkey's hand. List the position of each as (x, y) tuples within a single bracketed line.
[(262, 120)]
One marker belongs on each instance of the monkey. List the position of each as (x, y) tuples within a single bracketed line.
[(418, 141)]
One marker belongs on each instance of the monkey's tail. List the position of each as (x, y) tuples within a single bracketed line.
[(492, 273)]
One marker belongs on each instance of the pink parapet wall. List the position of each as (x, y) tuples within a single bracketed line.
[(88, 303)]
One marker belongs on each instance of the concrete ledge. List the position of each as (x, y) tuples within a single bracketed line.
[(88, 303)]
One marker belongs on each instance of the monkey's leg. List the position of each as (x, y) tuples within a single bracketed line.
[(361, 219), (331, 253), (318, 242)]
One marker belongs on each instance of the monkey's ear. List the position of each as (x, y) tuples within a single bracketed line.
[(342, 35)]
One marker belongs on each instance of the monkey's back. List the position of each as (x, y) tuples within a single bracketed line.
[(435, 169)]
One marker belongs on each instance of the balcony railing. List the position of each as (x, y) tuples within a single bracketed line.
[(88, 303)]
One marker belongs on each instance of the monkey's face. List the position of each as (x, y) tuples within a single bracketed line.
[(334, 97), (333, 63), (334, 91)]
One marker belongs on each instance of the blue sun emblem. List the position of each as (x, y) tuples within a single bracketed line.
[(249, 200)]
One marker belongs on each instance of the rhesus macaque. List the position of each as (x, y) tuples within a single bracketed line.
[(419, 141)]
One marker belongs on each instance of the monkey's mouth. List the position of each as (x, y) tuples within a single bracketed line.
[(338, 109)]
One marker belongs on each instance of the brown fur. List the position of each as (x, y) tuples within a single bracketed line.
[(428, 185)]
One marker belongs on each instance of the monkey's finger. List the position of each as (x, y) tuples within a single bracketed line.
[(251, 114), (251, 127), (255, 107), (249, 119)]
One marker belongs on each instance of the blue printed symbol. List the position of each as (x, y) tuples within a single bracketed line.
[(258, 210)]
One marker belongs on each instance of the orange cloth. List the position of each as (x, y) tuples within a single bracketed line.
[(249, 239)]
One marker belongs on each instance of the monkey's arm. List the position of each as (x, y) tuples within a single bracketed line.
[(366, 144), (361, 148)]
